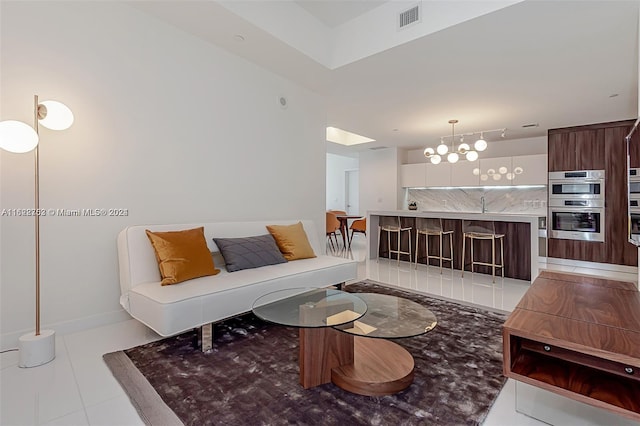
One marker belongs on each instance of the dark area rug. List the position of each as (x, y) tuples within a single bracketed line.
[(251, 375)]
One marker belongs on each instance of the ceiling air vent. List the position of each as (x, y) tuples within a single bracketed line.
[(409, 17), (375, 148)]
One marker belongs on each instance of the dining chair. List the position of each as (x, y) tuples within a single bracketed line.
[(339, 213), (332, 225), (358, 225)]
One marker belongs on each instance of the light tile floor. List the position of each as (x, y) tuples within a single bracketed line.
[(76, 388)]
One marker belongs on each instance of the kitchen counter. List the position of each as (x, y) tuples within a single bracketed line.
[(521, 236)]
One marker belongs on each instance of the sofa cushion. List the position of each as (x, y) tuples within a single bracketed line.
[(182, 255), (249, 252), (292, 241)]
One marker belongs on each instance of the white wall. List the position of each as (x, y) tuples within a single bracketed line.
[(379, 170), (337, 165), (167, 126)]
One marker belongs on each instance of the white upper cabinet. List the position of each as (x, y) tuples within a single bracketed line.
[(496, 171), (413, 175), (530, 169), (439, 174), (502, 171), (462, 173)]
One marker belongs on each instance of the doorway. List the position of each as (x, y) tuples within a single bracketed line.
[(351, 180)]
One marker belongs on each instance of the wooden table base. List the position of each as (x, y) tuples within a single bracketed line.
[(362, 365), (380, 367)]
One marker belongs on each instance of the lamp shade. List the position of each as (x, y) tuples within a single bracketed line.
[(480, 145), (442, 149), (56, 115), (16, 136), (472, 156), (452, 157), (435, 159)]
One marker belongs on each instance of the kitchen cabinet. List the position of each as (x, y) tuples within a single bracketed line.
[(496, 171), (462, 173), (530, 170), (439, 174), (413, 175), (596, 147), (577, 148), (502, 171), (634, 148)]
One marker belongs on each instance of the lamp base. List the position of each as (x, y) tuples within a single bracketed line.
[(37, 350)]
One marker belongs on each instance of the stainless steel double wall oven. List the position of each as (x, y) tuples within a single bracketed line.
[(576, 205)]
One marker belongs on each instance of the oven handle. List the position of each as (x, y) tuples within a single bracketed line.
[(573, 181), (577, 210)]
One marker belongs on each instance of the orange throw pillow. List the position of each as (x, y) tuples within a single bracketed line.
[(292, 241), (182, 255)]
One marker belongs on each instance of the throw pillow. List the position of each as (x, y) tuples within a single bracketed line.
[(292, 241), (249, 252), (182, 255)]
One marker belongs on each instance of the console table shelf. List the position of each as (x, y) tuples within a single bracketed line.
[(579, 337)]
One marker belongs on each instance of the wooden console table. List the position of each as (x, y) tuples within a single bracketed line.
[(578, 336)]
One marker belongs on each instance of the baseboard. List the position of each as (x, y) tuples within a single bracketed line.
[(593, 265), (10, 340)]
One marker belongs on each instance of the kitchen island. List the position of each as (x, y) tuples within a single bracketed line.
[(520, 241)]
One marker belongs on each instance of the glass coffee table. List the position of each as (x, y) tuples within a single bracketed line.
[(345, 338)]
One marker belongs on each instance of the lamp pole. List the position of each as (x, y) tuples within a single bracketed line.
[(37, 211)]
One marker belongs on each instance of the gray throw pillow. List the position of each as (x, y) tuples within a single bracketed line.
[(249, 252)]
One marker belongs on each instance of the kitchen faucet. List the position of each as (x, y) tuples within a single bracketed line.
[(483, 204)]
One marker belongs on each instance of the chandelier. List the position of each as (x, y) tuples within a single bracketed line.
[(453, 155)]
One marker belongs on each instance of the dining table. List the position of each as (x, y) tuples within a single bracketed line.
[(344, 218)]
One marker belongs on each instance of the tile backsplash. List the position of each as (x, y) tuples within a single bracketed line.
[(497, 200)]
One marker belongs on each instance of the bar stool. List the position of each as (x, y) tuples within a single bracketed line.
[(483, 231), (393, 225), (433, 228)]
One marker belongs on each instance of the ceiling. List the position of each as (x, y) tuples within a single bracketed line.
[(333, 13), (549, 63)]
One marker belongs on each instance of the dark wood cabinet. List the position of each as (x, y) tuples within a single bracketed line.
[(559, 147), (597, 147), (576, 148), (634, 149)]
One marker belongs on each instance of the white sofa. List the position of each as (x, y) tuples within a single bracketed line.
[(172, 309)]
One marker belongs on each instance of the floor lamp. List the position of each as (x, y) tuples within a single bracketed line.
[(35, 348)]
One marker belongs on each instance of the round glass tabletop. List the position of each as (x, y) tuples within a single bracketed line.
[(309, 307), (390, 317)]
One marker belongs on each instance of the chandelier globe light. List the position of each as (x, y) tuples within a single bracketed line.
[(464, 150), (472, 156), (480, 144), (442, 148)]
